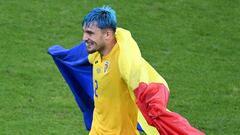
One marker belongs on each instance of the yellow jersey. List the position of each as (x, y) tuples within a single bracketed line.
[(115, 112)]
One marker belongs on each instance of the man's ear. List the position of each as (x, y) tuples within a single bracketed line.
[(108, 34)]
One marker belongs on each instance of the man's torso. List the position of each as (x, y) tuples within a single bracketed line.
[(115, 113)]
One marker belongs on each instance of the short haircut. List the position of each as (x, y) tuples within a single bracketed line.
[(104, 17)]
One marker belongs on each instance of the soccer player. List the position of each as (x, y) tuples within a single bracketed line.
[(125, 83), (115, 112)]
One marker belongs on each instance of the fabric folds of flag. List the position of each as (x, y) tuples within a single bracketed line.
[(146, 86), (77, 72)]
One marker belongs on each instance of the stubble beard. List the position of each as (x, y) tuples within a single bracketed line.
[(94, 47), (91, 47)]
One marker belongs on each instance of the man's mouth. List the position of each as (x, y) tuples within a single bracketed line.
[(89, 44)]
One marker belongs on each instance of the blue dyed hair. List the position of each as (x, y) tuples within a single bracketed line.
[(104, 17)]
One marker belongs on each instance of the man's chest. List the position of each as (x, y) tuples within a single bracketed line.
[(106, 76)]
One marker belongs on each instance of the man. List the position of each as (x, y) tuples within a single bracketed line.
[(115, 112), (127, 90), (122, 77)]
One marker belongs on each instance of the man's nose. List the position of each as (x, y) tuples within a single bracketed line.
[(85, 37)]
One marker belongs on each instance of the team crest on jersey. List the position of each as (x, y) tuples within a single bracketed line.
[(106, 66)]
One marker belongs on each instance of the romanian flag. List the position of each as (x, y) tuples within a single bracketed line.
[(146, 86)]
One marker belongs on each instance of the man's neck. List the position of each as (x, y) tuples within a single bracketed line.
[(108, 48)]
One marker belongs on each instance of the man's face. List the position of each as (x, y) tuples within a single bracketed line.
[(94, 38)]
